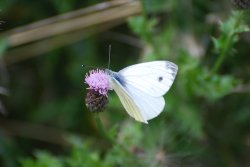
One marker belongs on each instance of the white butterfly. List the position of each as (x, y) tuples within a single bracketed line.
[(141, 87)]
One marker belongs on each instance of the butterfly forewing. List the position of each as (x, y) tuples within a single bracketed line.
[(153, 78)]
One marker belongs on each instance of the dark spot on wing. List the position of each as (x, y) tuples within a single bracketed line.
[(160, 78)]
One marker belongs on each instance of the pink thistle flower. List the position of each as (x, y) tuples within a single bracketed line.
[(98, 80)]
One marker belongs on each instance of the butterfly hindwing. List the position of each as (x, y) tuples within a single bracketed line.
[(129, 104), (138, 104), (149, 106)]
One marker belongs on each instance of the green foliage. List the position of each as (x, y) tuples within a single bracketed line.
[(143, 27), (81, 153), (200, 82), (154, 6), (230, 31), (155, 40), (8, 150), (195, 80), (44, 159)]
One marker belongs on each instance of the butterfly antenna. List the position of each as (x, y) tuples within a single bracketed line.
[(87, 66), (109, 56)]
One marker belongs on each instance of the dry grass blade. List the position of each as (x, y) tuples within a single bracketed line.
[(73, 21), (36, 48), (48, 34)]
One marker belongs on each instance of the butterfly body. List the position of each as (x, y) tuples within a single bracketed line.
[(141, 87)]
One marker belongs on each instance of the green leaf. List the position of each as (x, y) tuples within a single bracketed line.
[(44, 159)]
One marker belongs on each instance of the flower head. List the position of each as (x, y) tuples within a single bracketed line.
[(98, 80)]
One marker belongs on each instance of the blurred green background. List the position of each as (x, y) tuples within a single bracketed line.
[(44, 121)]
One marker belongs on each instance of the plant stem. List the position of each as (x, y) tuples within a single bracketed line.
[(222, 56), (228, 43), (106, 135), (102, 128)]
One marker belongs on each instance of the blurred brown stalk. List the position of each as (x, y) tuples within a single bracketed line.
[(45, 35)]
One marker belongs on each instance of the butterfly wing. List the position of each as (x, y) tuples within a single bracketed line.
[(127, 101), (153, 78), (139, 105)]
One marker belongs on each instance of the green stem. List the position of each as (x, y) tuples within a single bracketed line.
[(102, 128), (228, 44), (222, 56), (106, 135)]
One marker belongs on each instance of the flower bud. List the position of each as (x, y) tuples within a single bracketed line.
[(241, 4), (95, 101)]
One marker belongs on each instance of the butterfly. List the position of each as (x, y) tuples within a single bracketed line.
[(141, 87)]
